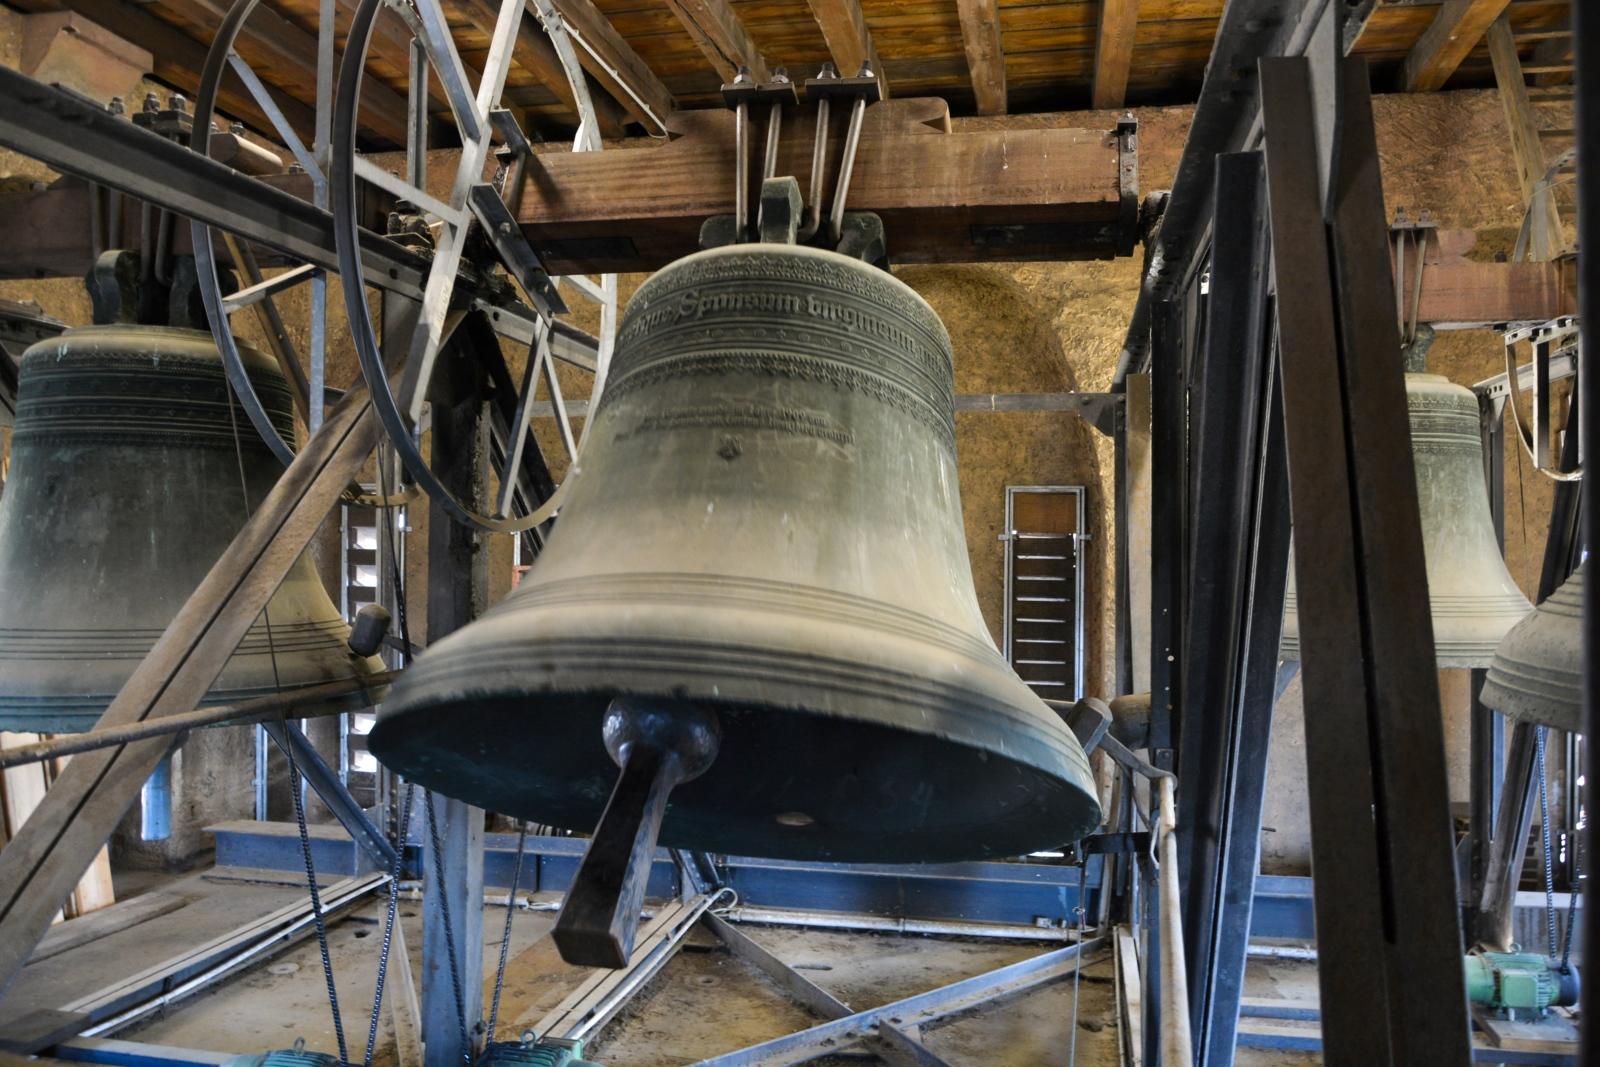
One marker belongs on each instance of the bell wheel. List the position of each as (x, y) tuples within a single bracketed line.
[(477, 258)]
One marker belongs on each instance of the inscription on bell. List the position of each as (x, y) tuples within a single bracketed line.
[(696, 304), (799, 422)]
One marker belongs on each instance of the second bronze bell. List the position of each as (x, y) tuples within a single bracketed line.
[(129, 477)]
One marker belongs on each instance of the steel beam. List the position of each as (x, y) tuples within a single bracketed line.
[(898, 1047), (1586, 49), (919, 1010), (324, 781), (74, 136), (1227, 118), (458, 592), (1389, 938), (1239, 558)]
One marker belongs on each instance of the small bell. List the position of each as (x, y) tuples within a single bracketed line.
[(1537, 672)]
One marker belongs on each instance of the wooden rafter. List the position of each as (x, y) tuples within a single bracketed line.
[(986, 58), (849, 42), (1113, 51), (1455, 31), (1545, 233), (721, 37), (615, 65)]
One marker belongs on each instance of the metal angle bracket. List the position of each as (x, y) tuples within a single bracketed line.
[(518, 256), (1128, 228)]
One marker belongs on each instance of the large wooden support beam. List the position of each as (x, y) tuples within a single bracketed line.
[(613, 63), (986, 57), (177, 57), (1449, 39), (849, 41), (1459, 292), (721, 37), (944, 197), (1113, 51)]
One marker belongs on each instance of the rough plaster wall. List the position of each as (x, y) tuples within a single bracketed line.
[(1062, 329)]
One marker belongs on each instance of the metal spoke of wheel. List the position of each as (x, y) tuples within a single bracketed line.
[(517, 440), (470, 202), (219, 59), (265, 288), (269, 107)]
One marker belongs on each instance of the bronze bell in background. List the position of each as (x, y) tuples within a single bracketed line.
[(125, 488), (758, 594), (1472, 597), (1537, 672)]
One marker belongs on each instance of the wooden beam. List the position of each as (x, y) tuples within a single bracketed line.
[(1546, 237), (1049, 194), (721, 37), (534, 53), (178, 60), (986, 58), (849, 42), (1556, 54), (1113, 51), (613, 63), (1453, 34), (1461, 292)]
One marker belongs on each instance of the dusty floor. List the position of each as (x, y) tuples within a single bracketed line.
[(705, 1002)]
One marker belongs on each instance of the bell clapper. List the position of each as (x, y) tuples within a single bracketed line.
[(658, 747)]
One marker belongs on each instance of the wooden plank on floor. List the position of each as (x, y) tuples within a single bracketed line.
[(105, 922)]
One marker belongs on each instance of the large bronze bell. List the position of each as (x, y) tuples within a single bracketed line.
[(1472, 597), (1537, 672), (125, 488), (761, 568)]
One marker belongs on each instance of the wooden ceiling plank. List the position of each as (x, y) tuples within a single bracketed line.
[(1455, 31), (616, 66), (849, 41), (1113, 52), (720, 35), (986, 58), (284, 46)]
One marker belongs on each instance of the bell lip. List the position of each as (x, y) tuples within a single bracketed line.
[(1058, 808), (130, 339), (549, 671)]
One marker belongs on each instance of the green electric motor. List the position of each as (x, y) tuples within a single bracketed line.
[(1521, 984), (295, 1057), (535, 1052)]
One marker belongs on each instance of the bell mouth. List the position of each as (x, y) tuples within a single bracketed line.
[(786, 783)]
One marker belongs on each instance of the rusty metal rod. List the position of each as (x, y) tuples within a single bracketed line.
[(295, 704)]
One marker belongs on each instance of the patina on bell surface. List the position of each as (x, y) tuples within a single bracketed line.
[(1537, 672), (1473, 599), (766, 525), (124, 489)]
